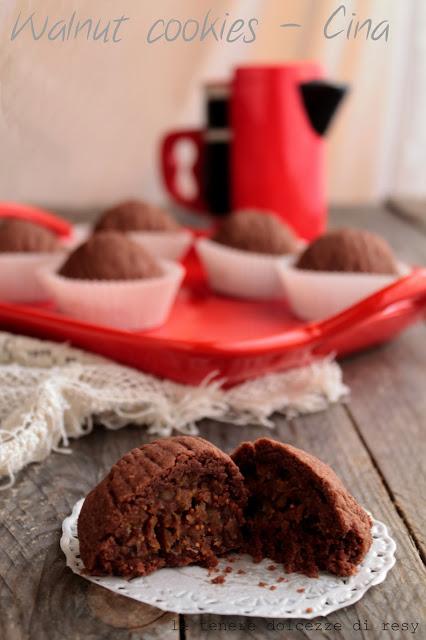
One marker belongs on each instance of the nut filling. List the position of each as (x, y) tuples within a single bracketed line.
[(299, 513), (181, 501), (191, 512)]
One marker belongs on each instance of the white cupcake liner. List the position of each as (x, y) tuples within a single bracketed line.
[(19, 281), (128, 304), (166, 245), (315, 295), (242, 274)]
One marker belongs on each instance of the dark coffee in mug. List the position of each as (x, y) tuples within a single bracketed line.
[(216, 161), (211, 168)]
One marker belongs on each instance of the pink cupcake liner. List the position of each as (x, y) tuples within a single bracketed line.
[(242, 274), (128, 304), (315, 295), (19, 281)]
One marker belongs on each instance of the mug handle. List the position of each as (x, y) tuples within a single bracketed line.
[(170, 167)]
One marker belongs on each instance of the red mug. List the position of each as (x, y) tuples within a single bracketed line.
[(211, 167), (278, 116)]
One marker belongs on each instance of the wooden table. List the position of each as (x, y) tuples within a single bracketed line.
[(376, 443)]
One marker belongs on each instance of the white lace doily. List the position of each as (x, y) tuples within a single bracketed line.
[(190, 590), (50, 393)]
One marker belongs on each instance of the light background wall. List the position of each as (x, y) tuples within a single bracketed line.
[(80, 121)]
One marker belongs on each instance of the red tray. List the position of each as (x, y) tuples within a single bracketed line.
[(237, 340), (39, 216)]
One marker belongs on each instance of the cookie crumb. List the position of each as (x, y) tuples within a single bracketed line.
[(228, 570), (241, 572), (218, 580), (262, 584), (308, 610), (271, 567), (301, 590), (272, 588)]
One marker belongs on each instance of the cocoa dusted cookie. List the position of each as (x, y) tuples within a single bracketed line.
[(135, 215), (258, 232), (349, 250), (171, 503), (21, 236), (110, 255), (299, 513)]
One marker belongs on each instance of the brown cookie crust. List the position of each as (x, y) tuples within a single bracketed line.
[(174, 502), (134, 215), (258, 232), (110, 255), (21, 236), (299, 513), (349, 250)]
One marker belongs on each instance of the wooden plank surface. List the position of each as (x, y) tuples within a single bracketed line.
[(376, 443), (411, 209), (388, 399), (40, 599), (392, 422), (332, 437), (64, 606)]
